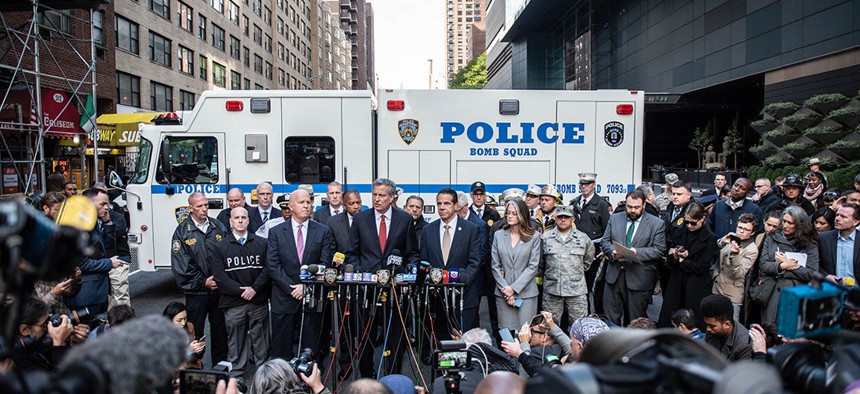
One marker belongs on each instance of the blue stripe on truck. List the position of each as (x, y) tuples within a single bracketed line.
[(322, 188)]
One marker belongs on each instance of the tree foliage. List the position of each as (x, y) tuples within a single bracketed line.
[(700, 142), (472, 76)]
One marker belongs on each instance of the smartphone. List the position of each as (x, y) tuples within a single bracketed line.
[(735, 238), (198, 381), (203, 338), (506, 335), (518, 302)]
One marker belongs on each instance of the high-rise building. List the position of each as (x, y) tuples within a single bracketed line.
[(461, 16), (356, 20), (331, 61)]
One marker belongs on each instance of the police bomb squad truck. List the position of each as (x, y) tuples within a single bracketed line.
[(423, 140)]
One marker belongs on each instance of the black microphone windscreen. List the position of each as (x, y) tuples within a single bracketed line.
[(314, 268), (137, 357), (348, 268), (395, 252)]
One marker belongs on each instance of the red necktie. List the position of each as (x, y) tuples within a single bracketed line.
[(382, 235)]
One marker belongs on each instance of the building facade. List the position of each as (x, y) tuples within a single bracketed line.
[(332, 61), (356, 20), (461, 16)]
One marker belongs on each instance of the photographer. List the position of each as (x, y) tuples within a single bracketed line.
[(541, 342), (276, 376), (486, 359), (725, 333), (32, 351)]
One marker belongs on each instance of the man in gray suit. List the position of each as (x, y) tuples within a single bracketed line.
[(629, 284)]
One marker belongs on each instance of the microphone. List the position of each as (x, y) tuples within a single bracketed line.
[(337, 260), (421, 276), (849, 281), (110, 360), (348, 269), (315, 268), (394, 259)]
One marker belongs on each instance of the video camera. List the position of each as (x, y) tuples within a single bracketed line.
[(452, 357)]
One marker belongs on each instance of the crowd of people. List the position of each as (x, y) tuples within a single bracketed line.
[(555, 274)]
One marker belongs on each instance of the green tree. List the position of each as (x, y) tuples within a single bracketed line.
[(473, 76), (701, 140), (736, 140)]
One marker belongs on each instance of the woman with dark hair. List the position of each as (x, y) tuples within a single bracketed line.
[(690, 265), (823, 219), (178, 314), (815, 187), (515, 256), (796, 236)]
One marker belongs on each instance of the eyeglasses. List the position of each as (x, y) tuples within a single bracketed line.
[(691, 222), (537, 331)]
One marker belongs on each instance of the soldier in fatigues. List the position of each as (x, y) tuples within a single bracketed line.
[(664, 199), (567, 254)]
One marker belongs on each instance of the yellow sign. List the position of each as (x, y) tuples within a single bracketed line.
[(122, 129)]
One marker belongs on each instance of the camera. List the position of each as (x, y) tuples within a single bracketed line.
[(452, 357), (76, 317), (807, 311), (304, 362)]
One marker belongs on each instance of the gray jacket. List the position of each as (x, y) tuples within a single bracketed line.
[(517, 266), (564, 262)]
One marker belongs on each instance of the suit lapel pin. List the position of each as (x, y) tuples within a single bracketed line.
[(459, 229)]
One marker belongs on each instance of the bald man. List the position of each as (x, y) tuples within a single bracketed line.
[(259, 215), (297, 242), (235, 198)]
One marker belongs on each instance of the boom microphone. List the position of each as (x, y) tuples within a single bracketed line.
[(127, 369), (421, 275)]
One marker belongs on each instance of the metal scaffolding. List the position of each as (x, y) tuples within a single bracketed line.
[(24, 49)]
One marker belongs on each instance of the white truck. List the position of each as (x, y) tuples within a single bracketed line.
[(422, 139)]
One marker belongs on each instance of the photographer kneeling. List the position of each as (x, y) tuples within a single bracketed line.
[(32, 350), (540, 343), (485, 359), (277, 376)]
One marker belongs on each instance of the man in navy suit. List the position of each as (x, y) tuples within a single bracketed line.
[(839, 249), (292, 244), (335, 203), (453, 243), (259, 215), (375, 233)]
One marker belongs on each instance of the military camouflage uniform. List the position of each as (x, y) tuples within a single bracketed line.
[(662, 201), (564, 262)]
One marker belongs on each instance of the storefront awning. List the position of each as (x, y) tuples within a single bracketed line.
[(118, 130), (58, 118)]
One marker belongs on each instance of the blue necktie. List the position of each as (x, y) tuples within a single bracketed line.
[(242, 240)]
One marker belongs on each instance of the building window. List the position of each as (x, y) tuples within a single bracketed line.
[(246, 83), (186, 60), (235, 80), (99, 27), (160, 97), (280, 51), (128, 89), (126, 35), (201, 27), (268, 43), (198, 155), (258, 35), (305, 156), (280, 26), (235, 47), (247, 56), (219, 75), (269, 71), (217, 37), (160, 8), (281, 77), (56, 20), (258, 86), (258, 64), (186, 100), (233, 13), (257, 7), (267, 15), (204, 75), (218, 5), (245, 25), (159, 49), (186, 17)]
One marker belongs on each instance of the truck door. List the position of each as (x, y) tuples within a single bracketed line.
[(197, 164)]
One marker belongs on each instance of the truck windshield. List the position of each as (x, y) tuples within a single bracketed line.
[(141, 167), (192, 160)]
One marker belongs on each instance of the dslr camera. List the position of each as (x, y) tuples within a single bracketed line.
[(452, 357), (304, 362)]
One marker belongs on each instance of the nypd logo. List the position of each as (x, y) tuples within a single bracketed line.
[(613, 133), (408, 129), (182, 213)]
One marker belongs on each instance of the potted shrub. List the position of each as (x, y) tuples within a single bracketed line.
[(779, 110), (781, 135), (763, 125), (800, 150), (847, 115), (801, 121), (824, 134), (824, 103), (763, 151), (776, 161), (849, 150)]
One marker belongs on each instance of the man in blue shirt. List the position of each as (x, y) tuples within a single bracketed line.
[(839, 251)]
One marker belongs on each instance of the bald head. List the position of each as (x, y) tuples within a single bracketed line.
[(235, 198), (300, 205), (239, 220), (195, 196), (741, 189), (365, 386), (501, 382)]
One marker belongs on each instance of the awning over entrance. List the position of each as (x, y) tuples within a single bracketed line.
[(58, 118), (122, 129)]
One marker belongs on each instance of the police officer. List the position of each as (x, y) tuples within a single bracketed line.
[(532, 200), (191, 253), (591, 213), (567, 254), (479, 204)]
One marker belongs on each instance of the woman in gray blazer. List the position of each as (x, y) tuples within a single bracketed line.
[(515, 256)]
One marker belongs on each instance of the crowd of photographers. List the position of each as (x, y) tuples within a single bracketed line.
[(556, 276)]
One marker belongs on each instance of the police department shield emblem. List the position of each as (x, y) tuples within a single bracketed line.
[(175, 246), (330, 275), (382, 277), (182, 213), (436, 275), (613, 133), (408, 129)]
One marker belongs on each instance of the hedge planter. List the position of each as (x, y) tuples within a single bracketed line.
[(780, 110), (848, 116), (763, 126), (824, 103), (848, 150), (824, 135), (801, 121), (781, 135), (763, 151), (800, 150)]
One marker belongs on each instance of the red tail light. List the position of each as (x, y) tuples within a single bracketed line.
[(396, 105), (234, 106), (624, 109)]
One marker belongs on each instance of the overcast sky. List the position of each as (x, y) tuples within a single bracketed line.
[(407, 34)]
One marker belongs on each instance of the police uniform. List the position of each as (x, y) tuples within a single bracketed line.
[(591, 218), (564, 262), (535, 214), (488, 215), (191, 254)]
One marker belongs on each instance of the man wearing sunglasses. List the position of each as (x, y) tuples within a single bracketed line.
[(541, 344)]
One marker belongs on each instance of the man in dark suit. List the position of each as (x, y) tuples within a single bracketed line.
[(839, 249), (453, 243), (259, 215), (235, 198), (342, 222), (415, 207), (479, 207), (296, 242), (375, 233), (334, 193), (719, 182), (629, 284)]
